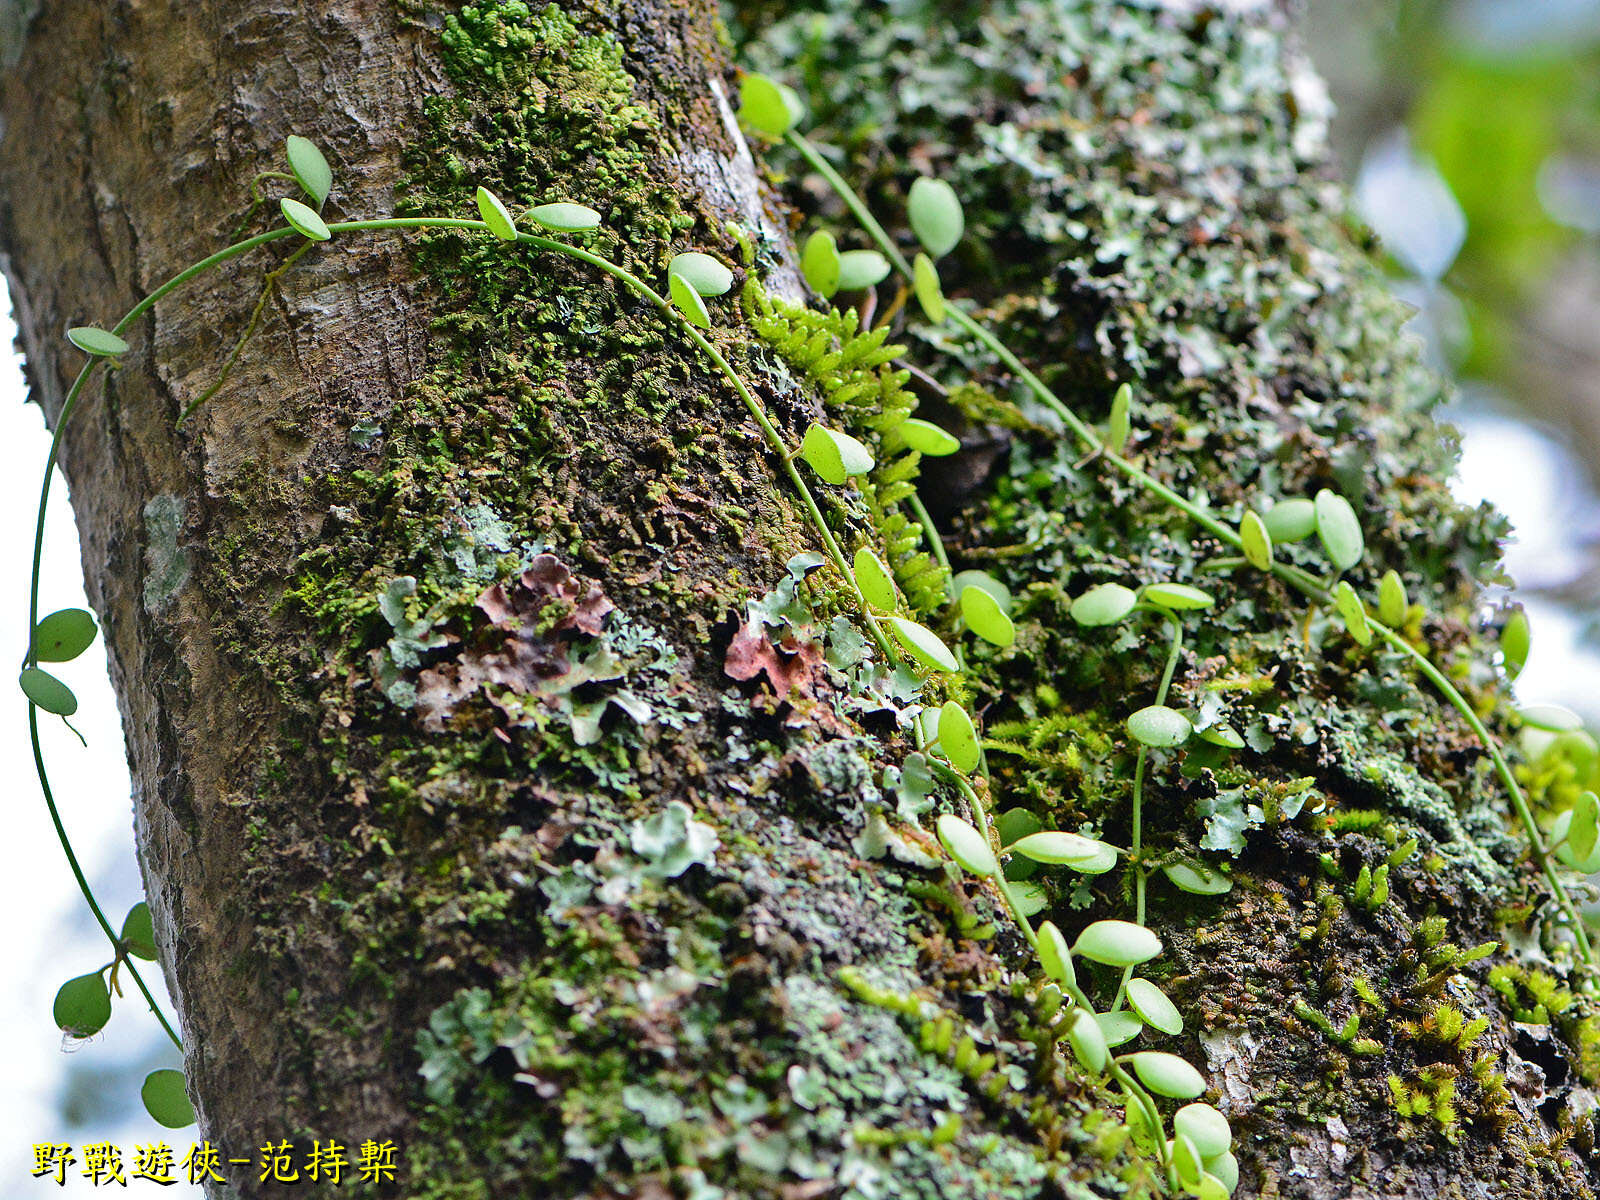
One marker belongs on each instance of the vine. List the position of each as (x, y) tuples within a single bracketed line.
[(880, 454)]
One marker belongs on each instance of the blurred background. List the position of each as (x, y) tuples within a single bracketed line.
[(1469, 131)]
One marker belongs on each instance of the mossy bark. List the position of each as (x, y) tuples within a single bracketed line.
[(448, 631)]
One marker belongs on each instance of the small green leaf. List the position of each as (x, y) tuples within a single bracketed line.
[(1257, 542), (819, 263), (1168, 1075), (982, 579), (1119, 424), (496, 215), (1153, 1007), (1224, 735), (1516, 638), (924, 645), (861, 269), (1160, 726), (1204, 1126), (1059, 848), (1030, 898), (767, 106), (1551, 717), (1352, 612), (704, 273), (1197, 879), (958, 738), (926, 438), (164, 1099), (138, 934), (1103, 604), (1561, 840), (304, 221), (935, 214), (874, 580), (63, 635), (1177, 597), (1392, 602), (1054, 956), (1120, 1027), (984, 616), (1225, 1169), (834, 456), (91, 339), (48, 692), (564, 217), (925, 284), (1186, 1162), (83, 1005), (1291, 520), (1088, 1042), (1339, 530), (687, 301), (967, 846), (1117, 943), (1584, 830), (309, 167)]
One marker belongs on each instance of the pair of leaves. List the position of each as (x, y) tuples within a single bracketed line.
[(827, 269), (1108, 603), (59, 637)]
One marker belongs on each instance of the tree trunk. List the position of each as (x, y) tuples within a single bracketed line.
[(468, 804)]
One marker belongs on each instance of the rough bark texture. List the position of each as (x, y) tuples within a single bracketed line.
[(406, 788)]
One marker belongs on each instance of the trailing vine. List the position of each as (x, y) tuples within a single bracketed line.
[(899, 600)]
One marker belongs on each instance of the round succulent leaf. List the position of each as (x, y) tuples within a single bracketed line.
[(687, 301), (1088, 1042), (935, 214), (1119, 424), (1197, 879), (138, 933), (1054, 956), (861, 269), (924, 645), (1186, 1161), (1257, 542), (1103, 604), (309, 167), (165, 1100), (984, 616), (982, 579), (1291, 520), (1352, 612), (1584, 829), (925, 285), (1177, 597), (1153, 1006), (82, 1005), (1560, 830), (1225, 1169), (47, 692), (1224, 735), (1516, 639), (563, 216), (1392, 600), (1551, 717), (1015, 824), (496, 215), (63, 635), (705, 274), (1159, 726), (1211, 1188), (1167, 1074), (1117, 943), (926, 438), (969, 848), (1119, 1027), (91, 339), (1057, 847), (819, 263), (958, 738), (1030, 898), (1207, 1128), (767, 106), (833, 455), (307, 222), (874, 580), (1339, 529)]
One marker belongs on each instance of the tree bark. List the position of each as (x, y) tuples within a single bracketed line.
[(430, 624)]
